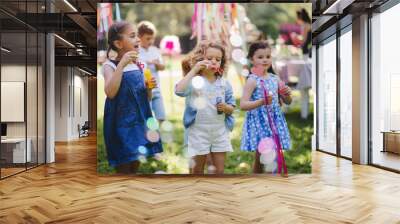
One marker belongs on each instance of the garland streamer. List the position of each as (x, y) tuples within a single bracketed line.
[(194, 21)]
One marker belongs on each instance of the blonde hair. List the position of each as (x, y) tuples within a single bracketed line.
[(198, 54)]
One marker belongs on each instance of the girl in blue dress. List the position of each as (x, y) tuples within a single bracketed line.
[(256, 126), (127, 107)]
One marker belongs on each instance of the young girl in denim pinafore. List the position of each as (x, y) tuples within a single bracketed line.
[(256, 125), (127, 107)]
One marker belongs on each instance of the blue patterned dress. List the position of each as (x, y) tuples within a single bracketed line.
[(256, 126)]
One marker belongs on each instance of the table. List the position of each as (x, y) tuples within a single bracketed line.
[(13, 150), (302, 71), (391, 141)]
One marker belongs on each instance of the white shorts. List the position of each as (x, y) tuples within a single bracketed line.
[(206, 138)]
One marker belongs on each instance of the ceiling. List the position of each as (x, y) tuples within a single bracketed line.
[(72, 20), (79, 27), (327, 13)]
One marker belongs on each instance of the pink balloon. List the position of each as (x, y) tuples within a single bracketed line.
[(266, 145)]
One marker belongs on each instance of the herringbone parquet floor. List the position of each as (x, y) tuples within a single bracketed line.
[(70, 191)]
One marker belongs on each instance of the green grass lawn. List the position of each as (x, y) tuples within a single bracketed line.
[(174, 161)]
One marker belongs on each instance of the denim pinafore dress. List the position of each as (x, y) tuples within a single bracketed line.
[(125, 118)]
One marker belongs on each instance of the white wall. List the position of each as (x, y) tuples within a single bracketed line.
[(70, 83), (61, 103), (80, 100)]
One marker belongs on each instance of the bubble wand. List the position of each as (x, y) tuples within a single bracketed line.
[(275, 137), (280, 158)]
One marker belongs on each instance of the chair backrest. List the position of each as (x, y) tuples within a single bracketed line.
[(86, 125)]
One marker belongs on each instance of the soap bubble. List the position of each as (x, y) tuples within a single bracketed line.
[(268, 158), (167, 126), (245, 72), (167, 137), (211, 169), (152, 123), (153, 164), (243, 61), (198, 82), (142, 150), (158, 156), (244, 167), (270, 168), (237, 54), (153, 136), (265, 145), (142, 159), (236, 40)]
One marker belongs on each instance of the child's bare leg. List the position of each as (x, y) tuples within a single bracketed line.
[(135, 166), (199, 162), (257, 167), (219, 160), (191, 165), (210, 161)]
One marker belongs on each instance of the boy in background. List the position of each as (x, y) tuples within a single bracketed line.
[(151, 55)]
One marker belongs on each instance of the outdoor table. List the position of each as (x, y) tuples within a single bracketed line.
[(301, 71)]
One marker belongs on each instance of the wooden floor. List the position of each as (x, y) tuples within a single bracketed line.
[(387, 159), (10, 171), (70, 191)]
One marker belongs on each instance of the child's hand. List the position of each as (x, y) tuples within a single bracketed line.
[(153, 62), (221, 107), (151, 84), (269, 99), (130, 56), (201, 65), (285, 91), (262, 100)]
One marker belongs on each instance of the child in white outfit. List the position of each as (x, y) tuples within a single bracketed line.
[(209, 106)]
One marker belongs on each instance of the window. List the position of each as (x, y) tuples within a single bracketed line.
[(327, 96), (22, 77), (346, 93), (385, 87)]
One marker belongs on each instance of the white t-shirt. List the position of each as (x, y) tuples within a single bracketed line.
[(150, 54), (128, 67), (207, 113)]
